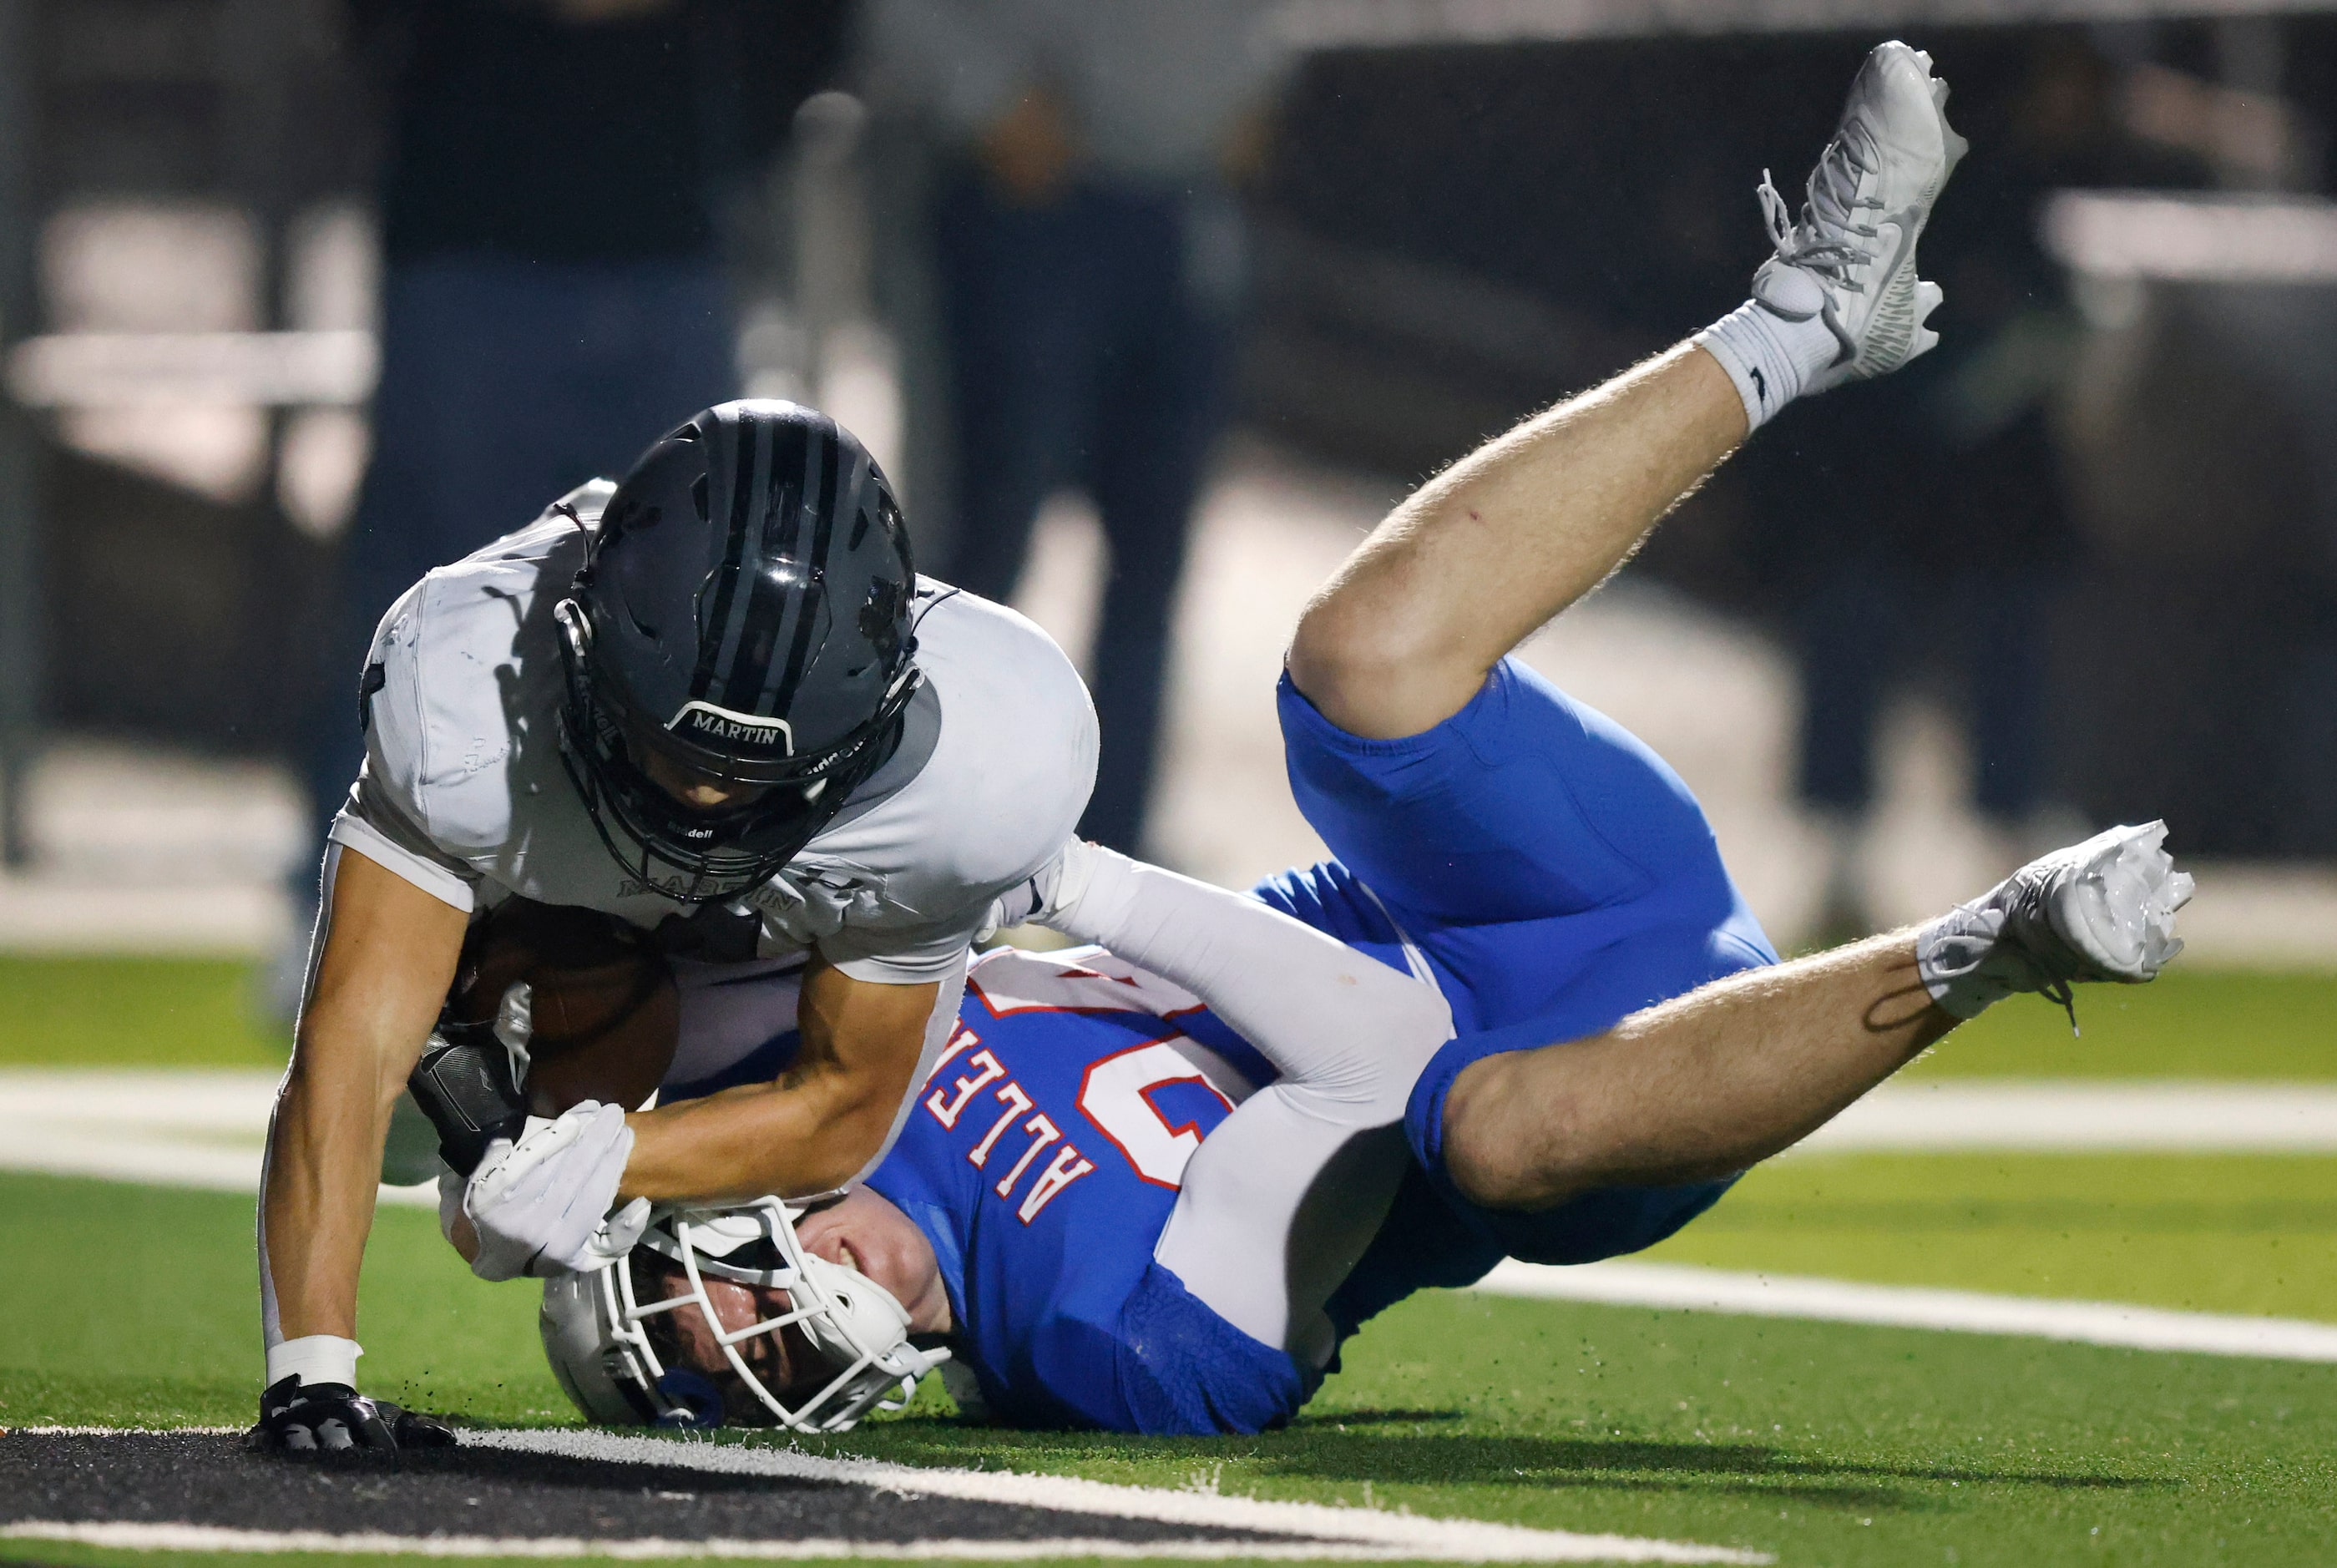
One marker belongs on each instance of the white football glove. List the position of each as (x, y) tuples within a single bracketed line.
[(540, 1207), (2100, 910)]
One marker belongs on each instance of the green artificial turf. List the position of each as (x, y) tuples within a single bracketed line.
[(1823, 1443), (2186, 1023), (139, 1305), (2208, 1233), (1819, 1443), (133, 1012)]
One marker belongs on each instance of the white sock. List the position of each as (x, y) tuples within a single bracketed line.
[(1771, 357)]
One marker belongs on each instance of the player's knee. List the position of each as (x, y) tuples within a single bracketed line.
[(1332, 653), (1495, 1153), (1376, 675)]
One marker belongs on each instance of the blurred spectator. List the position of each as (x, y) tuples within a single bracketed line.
[(1090, 267), (1927, 515), (554, 294)]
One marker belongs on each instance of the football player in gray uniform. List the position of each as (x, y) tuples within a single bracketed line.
[(712, 711)]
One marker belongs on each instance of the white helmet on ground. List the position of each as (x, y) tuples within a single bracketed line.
[(720, 1313)]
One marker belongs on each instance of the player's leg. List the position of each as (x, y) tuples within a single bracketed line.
[(1732, 1073), (1160, 402), (1488, 551), (1017, 308), (1403, 636), (1466, 793)]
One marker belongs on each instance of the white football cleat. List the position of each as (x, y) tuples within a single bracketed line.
[(1850, 260), (2100, 910)]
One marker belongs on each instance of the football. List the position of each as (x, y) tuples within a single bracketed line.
[(605, 1012)]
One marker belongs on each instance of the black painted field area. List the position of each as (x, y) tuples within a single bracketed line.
[(210, 1479)]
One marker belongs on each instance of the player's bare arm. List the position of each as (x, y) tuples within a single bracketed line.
[(814, 1128), (389, 955), (390, 951)]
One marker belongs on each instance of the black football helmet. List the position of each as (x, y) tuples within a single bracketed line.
[(742, 619)]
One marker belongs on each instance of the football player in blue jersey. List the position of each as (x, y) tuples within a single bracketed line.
[(1154, 1183)]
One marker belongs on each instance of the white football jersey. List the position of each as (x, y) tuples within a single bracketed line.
[(464, 794)]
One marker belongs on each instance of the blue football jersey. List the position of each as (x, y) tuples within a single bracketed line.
[(1043, 1158)]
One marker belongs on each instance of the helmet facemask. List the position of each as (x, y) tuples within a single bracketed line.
[(699, 855), (831, 1346)]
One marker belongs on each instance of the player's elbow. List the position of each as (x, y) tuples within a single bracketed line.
[(339, 1064)]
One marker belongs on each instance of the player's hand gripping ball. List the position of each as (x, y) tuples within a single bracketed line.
[(602, 1011), (542, 1207), (299, 1417)]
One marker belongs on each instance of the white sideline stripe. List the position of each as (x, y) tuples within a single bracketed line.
[(119, 1431), (2076, 1116), (183, 1128), (195, 1127), (155, 1162), (1685, 1288), (1394, 1536)]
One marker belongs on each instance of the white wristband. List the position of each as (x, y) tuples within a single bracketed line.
[(314, 1358)]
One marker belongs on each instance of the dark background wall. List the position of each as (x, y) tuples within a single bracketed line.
[(1448, 238)]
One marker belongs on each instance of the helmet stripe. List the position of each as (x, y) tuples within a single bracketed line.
[(762, 620), (717, 620), (823, 534)]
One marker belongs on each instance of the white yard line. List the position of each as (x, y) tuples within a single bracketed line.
[(1392, 1534), (197, 1127), (1687, 1289), (203, 1128), (2078, 1116), (190, 1538)]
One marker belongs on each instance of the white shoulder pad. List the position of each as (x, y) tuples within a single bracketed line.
[(455, 660), (1017, 755)]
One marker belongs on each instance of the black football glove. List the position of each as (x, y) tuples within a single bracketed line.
[(464, 1084), (309, 1418)]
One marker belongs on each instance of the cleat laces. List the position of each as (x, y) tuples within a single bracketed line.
[(1825, 239)]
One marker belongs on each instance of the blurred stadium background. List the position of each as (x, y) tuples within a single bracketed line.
[(1468, 208)]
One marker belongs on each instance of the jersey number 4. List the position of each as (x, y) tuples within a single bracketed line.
[(1155, 1105)]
